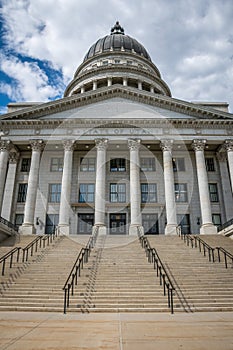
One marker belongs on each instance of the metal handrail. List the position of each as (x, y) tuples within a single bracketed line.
[(10, 255), (9, 224), (75, 272), (38, 240), (226, 254), (164, 279), (225, 225), (205, 247)]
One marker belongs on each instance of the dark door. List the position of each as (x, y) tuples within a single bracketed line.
[(85, 223), (118, 224), (150, 224)]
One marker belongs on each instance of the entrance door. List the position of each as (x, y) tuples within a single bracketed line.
[(85, 223), (117, 224), (150, 224)]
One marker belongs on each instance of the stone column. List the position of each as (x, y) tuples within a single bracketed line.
[(64, 213), (9, 186), (229, 148), (135, 191), (226, 185), (94, 84), (4, 153), (33, 178), (101, 145), (207, 226), (166, 146), (152, 89)]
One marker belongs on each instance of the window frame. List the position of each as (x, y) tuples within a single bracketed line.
[(118, 195), (25, 168), (147, 193), (86, 163), (181, 195), (213, 193), (85, 195), (118, 166), (178, 164), (22, 193), (210, 164), (149, 164), (54, 196), (56, 167)]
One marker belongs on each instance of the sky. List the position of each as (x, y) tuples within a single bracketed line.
[(42, 42)]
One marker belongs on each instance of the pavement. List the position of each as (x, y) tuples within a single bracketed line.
[(116, 331)]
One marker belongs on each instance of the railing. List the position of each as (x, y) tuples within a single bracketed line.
[(225, 225), (10, 255), (33, 246), (75, 272), (226, 255), (161, 271), (9, 224)]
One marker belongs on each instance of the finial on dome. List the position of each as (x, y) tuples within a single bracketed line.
[(117, 29)]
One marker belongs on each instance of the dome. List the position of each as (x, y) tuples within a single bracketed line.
[(117, 41)]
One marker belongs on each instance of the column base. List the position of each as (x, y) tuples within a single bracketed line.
[(27, 229), (208, 229), (170, 229), (135, 230), (64, 229)]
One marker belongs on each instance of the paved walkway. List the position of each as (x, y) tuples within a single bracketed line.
[(50, 331)]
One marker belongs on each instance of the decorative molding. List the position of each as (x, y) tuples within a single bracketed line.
[(37, 145), (101, 144), (13, 157), (5, 145), (229, 145), (166, 145), (198, 145), (134, 144), (68, 145)]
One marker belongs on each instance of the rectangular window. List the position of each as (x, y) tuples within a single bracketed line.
[(85, 223), (56, 164), (181, 194), (147, 164), (117, 164), (22, 193), (178, 164), (54, 193), (184, 222), (19, 219), (51, 223), (216, 218), (209, 164), (87, 164), (213, 190), (117, 193), (25, 165), (86, 193), (150, 223), (148, 193)]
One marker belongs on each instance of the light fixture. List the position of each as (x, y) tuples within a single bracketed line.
[(117, 146), (148, 146), (87, 146)]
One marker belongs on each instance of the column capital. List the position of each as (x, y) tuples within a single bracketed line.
[(166, 145), (68, 145), (198, 145), (5, 145), (101, 144), (37, 145), (134, 144), (13, 157), (221, 156), (228, 145)]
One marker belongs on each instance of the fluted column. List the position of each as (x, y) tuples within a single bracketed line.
[(9, 186), (135, 192), (207, 226), (229, 148), (64, 213), (101, 146), (4, 153), (29, 210), (166, 146)]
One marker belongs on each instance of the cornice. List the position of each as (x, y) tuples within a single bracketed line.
[(105, 93)]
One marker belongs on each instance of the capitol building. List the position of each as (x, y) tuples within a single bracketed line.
[(117, 153)]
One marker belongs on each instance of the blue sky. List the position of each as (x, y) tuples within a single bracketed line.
[(44, 41)]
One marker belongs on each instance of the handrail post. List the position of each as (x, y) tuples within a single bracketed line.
[(65, 298)]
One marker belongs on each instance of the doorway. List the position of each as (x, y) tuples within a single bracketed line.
[(117, 224), (85, 223), (150, 224)]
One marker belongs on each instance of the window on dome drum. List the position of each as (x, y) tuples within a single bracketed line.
[(213, 191), (25, 165), (129, 62), (87, 164), (148, 193), (117, 164), (147, 164), (209, 164), (52, 221), (117, 61), (85, 223), (178, 164), (22, 193), (54, 193), (117, 193), (181, 194), (150, 224), (19, 219), (86, 193), (216, 218), (105, 63), (184, 223), (56, 164)]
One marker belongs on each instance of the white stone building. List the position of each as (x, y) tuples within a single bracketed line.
[(117, 152)]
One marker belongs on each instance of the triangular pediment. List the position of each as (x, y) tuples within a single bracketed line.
[(117, 102)]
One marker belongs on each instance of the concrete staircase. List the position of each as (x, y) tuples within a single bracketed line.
[(37, 285), (118, 278), (200, 285)]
